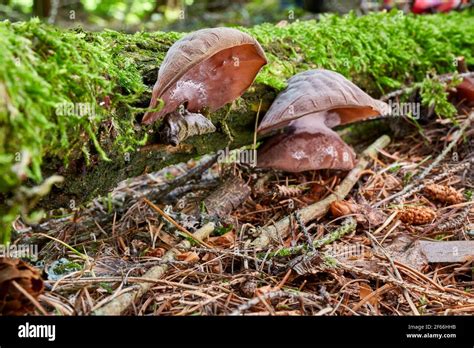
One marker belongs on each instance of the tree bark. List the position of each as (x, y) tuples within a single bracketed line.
[(41, 8)]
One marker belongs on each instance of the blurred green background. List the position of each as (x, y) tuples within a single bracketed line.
[(176, 15)]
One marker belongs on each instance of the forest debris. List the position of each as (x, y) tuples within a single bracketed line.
[(405, 285), (284, 191), (156, 252), (444, 193), (406, 250), (448, 251), (313, 211), (305, 263), (188, 256), (248, 288), (315, 299), (364, 214), (342, 208), (413, 188), (155, 186), (178, 226), (122, 301), (225, 241), (418, 215), (227, 197), (19, 283), (366, 294), (417, 188)]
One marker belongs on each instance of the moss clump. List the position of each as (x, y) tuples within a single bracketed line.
[(380, 51)]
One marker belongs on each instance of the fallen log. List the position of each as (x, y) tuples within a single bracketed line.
[(71, 102)]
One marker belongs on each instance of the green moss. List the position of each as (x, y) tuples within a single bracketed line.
[(381, 51)]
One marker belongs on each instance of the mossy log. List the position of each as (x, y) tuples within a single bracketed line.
[(42, 67)]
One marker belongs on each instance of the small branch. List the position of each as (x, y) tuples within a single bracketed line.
[(376, 244), (29, 297), (406, 89), (404, 285), (313, 211), (347, 226), (302, 263)]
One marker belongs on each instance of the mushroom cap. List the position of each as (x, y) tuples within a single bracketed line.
[(206, 68), (307, 144), (320, 90), (465, 90)]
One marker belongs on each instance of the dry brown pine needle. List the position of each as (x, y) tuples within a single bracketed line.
[(417, 215), (444, 193)]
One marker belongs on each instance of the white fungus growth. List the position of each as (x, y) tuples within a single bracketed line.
[(345, 156), (189, 90), (298, 155), (330, 150)]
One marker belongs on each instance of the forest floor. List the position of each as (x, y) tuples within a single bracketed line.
[(362, 254)]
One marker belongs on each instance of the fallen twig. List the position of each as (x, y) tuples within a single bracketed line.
[(403, 284), (405, 90)]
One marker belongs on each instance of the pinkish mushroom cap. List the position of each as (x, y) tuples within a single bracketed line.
[(307, 144), (314, 91), (207, 68), (314, 101)]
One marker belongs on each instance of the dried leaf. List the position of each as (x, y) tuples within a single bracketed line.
[(12, 301), (226, 240), (364, 291), (343, 208), (189, 256), (157, 252)]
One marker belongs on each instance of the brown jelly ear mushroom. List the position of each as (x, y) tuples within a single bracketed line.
[(205, 69), (315, 91), (307, 144)]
